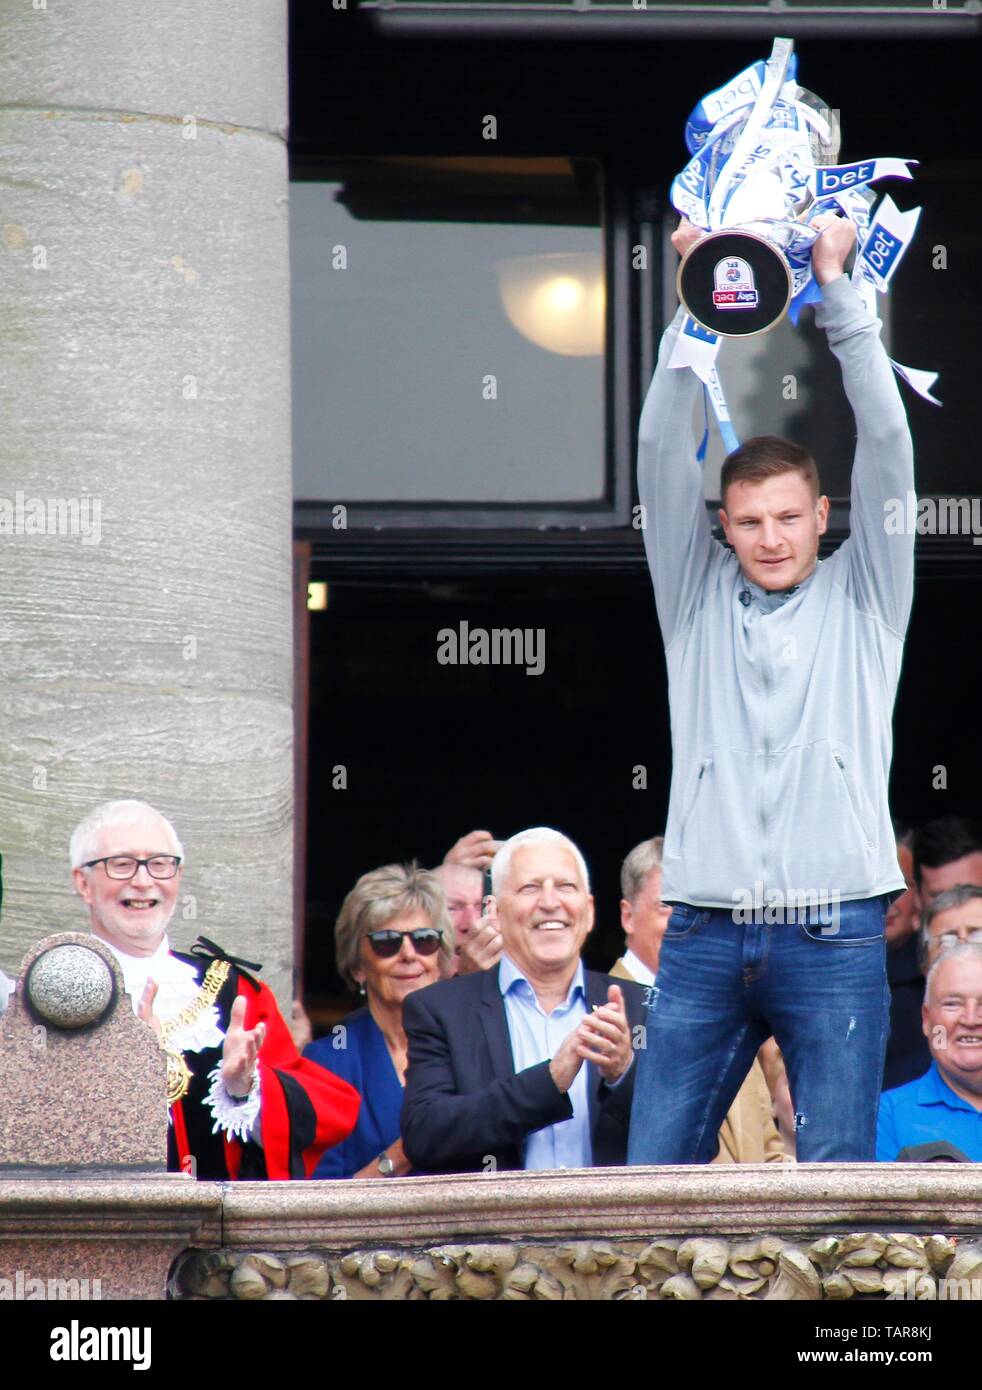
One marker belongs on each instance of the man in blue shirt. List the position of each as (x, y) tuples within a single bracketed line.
[(945, 1103), (528, 1064)]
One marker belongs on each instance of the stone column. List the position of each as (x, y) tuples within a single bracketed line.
[(145, 485)]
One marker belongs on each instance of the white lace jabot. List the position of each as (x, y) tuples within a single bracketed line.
[(177, 985)]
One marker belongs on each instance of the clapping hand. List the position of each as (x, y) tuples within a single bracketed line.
[(144, 1009), (605, 1037), (241, 1051)]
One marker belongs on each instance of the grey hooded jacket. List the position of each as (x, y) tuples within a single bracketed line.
[(781, 704)]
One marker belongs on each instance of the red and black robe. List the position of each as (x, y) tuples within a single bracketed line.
[(305, 1108)]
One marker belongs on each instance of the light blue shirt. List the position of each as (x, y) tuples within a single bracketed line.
[(535, 1037)]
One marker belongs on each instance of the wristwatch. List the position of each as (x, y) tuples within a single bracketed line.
[(386, 1166)]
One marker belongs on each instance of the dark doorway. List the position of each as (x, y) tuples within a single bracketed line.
[(430, 751)]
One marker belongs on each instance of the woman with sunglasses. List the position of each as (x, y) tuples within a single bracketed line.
[(393, 936)]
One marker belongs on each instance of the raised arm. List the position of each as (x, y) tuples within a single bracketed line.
[(677, 538), (880, 562)]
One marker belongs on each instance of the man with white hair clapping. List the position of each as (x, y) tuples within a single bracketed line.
[(529, 1064)]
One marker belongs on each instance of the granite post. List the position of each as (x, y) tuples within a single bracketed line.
[(87, 1208)]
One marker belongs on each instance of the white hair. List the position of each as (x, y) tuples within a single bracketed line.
[(110, 816), (965, 950), (541, 835)]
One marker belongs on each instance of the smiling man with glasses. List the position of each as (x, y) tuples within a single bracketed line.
[(243, 1102)]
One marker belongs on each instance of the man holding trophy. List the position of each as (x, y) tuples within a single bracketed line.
[(779, 854)]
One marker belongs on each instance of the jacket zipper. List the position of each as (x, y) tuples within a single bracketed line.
[(852, 798)]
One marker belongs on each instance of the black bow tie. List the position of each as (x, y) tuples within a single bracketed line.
[(209, 950)]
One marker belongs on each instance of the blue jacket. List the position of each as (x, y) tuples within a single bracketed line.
[(365, 1063), (781, 704)]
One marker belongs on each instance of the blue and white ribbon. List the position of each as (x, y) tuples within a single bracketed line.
[(696, 347), (752, 167)]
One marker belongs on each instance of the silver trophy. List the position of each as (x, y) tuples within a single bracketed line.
[(754, 183), (762, 169)]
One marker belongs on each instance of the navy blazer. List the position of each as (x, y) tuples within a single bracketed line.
[(465, 1105), (365, 1062)]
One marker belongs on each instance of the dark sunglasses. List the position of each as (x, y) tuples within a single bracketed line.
[(388, 943)]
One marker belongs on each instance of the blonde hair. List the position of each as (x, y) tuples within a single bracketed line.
[(376, 899)]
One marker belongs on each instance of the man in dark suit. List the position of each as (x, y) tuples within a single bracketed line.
[(529, 1064)]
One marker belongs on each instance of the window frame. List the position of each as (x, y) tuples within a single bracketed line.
[(315, 520)]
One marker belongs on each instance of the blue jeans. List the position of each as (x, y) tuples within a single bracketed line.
[(816, 981)]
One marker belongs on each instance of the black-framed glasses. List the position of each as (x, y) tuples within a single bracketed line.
[(125, 865), (388, 942)]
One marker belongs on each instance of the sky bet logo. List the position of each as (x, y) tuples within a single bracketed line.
[(880, 251), (740, 92), (836, 177)]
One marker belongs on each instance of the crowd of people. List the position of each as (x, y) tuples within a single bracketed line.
[(520, 1057), (750, 1018), (483, 1070), (482, 1042)]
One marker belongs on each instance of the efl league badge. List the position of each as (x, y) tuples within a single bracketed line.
[(734, 285)]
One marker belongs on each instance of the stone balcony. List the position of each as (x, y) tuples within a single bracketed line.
[(775, 1231)]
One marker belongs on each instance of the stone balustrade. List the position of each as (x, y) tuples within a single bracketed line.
[(818, 1231)]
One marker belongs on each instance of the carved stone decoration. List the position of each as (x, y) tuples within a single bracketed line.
[(796, 1278), (589, 1269), (865, 1264), (705, 1259)]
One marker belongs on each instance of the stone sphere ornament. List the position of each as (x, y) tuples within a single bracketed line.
[(70, 987)]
